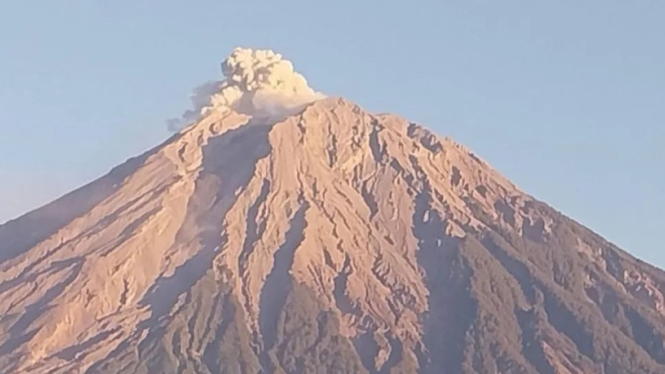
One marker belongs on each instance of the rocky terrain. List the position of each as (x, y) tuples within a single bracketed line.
[(330, 240)]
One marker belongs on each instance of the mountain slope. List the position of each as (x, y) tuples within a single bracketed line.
[(331, 241)]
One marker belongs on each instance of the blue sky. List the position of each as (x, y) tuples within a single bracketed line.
[(566, 98)]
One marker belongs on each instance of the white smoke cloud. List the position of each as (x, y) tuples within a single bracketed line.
[(257, 83), (200, 98)]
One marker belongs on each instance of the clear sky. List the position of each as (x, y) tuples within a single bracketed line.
[(566, 98)]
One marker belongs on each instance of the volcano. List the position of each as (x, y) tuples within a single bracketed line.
[(316, 237)]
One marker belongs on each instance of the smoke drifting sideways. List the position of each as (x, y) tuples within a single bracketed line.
[(258, 83)]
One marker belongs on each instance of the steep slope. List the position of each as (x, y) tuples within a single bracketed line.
[(332, 241)]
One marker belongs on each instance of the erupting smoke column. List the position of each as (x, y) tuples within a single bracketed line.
[(200, 98), (258, 83)]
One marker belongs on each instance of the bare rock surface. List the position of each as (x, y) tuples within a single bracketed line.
[(330, 241)]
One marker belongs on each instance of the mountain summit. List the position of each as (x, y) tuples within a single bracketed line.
[(301, 234)]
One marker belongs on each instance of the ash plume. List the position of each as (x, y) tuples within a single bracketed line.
[(259, 83), (200, 98)]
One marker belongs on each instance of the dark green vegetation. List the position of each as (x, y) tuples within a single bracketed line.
[(496, 298), (306, 340)]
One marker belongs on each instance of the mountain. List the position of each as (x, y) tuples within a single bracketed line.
[(325, 239)]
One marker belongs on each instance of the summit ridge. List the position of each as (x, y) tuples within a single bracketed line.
[(327, 239)]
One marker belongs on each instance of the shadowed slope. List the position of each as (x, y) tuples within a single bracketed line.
[(334, 241)]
